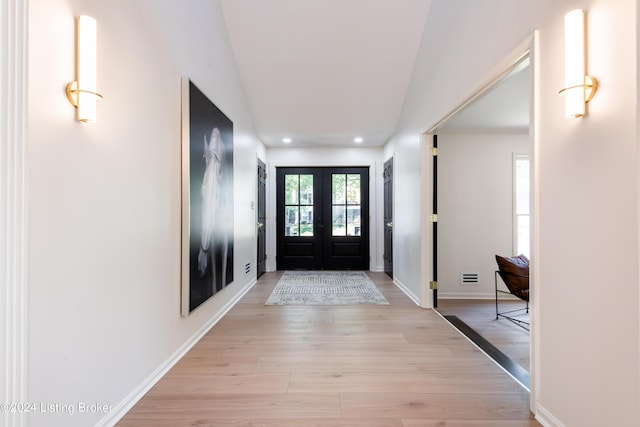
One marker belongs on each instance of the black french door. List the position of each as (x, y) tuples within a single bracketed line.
[(300, 218), (322, 218)]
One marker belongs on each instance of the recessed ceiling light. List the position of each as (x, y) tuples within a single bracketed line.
[(286, 140), (358, 140)]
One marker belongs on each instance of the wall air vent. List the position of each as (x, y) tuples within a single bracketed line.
[(469, 279), (247, 268)]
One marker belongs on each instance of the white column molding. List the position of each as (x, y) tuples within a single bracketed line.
[(13, 209)]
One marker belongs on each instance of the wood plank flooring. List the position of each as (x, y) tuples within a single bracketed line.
[(333, 366), (508, 337)]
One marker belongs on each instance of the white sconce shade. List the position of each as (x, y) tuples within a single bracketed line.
[(86, 68), (579, 88), (82, 93)]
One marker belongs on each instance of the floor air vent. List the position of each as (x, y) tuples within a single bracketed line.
[(469, 278)]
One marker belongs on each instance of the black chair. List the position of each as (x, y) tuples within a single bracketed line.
[(514, 272)]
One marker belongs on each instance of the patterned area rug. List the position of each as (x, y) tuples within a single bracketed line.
[(325, 288)]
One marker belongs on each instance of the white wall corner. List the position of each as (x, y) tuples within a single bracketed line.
[(545, 418), (407, 291), (13, 209)]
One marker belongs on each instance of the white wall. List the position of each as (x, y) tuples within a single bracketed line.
[(475, 208), (104, 199), (336, 156), (586, 335), (407, 171), (586, 167), (104, 231)]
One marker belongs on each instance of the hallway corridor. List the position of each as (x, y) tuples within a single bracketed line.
[(373, 366)]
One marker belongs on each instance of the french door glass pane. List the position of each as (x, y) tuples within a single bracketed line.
[(306, 189), (291, 223), (338, 222), (306, 220), (353, 221), (339, 189), (291, 189), (353, 189), (298, 202), (345, 198)]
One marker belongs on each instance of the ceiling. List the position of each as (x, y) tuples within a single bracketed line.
[(504, 106), (323, 72)]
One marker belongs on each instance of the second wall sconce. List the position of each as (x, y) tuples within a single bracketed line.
[(82, 92), (579, 87)]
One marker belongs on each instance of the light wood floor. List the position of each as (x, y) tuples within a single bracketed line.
[(509, 338), (338, 366)]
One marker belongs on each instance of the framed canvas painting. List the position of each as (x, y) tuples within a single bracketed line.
[(207, 198)]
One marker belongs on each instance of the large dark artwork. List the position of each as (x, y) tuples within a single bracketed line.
[(207, 198)]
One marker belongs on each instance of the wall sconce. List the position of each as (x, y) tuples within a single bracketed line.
[(82, 93), (579, 87)]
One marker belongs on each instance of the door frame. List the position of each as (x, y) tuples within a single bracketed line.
[(13, 202), (322, 243), (261, 223), (528, 47), (388, 206), (375, 200)]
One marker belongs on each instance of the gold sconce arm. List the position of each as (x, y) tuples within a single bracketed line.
[(73, 91), (590, 87)]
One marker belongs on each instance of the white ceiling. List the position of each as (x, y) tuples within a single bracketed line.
[(323, 72), (504, 107)]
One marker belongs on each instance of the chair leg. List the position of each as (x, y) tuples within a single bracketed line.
[(495, 281), (505, 314)]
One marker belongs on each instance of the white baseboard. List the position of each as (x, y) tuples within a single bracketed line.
[(406, 291), (129, 402), (545, 418)]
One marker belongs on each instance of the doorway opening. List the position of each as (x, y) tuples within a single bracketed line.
[(478, 188)]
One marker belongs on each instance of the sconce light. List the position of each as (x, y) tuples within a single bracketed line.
[(82, 93), (579, 87)]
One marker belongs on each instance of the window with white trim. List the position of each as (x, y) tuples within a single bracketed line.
[(521, 211)]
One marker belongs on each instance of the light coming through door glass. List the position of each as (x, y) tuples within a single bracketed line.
[(345, 200), (298, 209)]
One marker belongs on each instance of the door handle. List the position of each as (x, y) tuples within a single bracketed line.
[(390, 224), (260, 225)]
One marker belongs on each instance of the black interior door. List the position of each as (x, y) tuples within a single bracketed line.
[(261, 215), (388, 217), (323, 218)]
